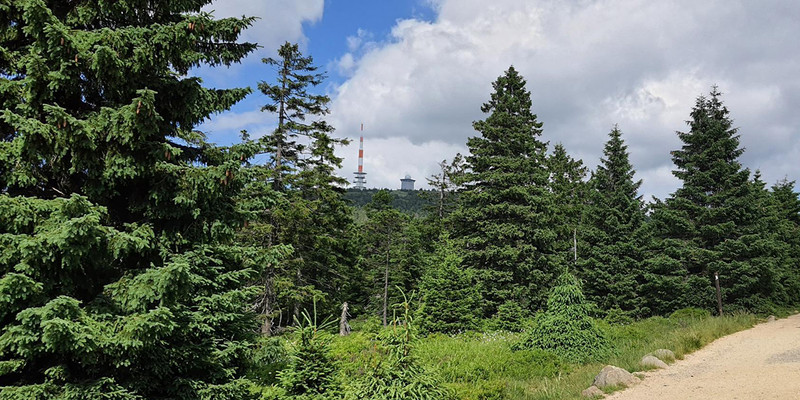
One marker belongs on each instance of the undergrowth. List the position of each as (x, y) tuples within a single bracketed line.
[(482, 366)]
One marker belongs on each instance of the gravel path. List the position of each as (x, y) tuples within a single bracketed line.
[(760, 363)]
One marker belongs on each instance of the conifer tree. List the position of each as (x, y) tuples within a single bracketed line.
[(566, 328), (611, 251), (787, 229), (503, 222), (707, 225), (398, 374), (120, 276), (313, 217), (445, 186), (450, 299), (384, 241), (569, 193), (311, 373)]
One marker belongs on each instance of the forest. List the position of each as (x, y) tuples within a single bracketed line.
[(141, 261)]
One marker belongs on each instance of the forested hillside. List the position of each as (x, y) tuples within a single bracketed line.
[(414, 202), (141, 261)]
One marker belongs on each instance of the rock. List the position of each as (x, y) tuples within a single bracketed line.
[(592, 391), (664, 355), (652, 362), (771, 318), (614, 376)]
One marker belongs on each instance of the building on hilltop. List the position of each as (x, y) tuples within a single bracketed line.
[(407, 183)]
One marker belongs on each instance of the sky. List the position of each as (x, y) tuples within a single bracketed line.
[(415, 73)]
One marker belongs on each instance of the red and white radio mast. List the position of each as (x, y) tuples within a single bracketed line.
[(360, 182)]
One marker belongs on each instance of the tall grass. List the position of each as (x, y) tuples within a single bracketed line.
[(482, 366)]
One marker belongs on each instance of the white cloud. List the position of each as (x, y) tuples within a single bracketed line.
[(279, 20), (589, 64), (387, 160)]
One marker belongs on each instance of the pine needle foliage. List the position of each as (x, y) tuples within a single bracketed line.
[(712, 224), (612, 238), (505, 215), (451, 301), (566, 328), (311, 374), (121, 278), (398, 375)]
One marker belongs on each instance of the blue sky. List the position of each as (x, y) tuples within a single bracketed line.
[(325, 39), (416, 72)]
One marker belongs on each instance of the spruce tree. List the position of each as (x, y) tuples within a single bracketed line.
[(566, 328), (787, 229), (313, 217), (503, 222), (707, 225), (120, 276), (569, 193), (384, 243), (610, 254), (450, 299)]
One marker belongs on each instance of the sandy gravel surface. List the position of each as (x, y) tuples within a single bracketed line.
[(760, 363)]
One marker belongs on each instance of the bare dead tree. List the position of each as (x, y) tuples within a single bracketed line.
[(344, 326)]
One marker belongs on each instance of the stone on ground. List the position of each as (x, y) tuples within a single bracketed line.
[(592, 391), (771, 318), (664, 355), (652, 362), (614, 376)]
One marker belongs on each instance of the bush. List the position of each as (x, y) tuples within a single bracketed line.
[(269, 357), (510, 317), (311, 373), (398, 375), (451, 301), (616, 316), (566, 328)]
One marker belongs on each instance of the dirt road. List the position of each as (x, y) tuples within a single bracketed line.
[(760, 363)]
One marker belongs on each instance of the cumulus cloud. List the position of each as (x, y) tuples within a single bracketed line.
[(279, 20), (589, 64)]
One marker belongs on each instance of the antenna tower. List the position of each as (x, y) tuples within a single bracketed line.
[(360, 181)]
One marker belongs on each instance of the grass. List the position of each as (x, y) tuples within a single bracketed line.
[(482, 366)]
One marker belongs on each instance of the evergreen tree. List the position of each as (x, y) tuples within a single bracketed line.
[(569, 193), (611, 249), (313, 217), (445, 186), (386, 258), (291, 101), (504, 218), (398, 375), (450, 299), (566, 328), (708, 225), (787, 229), (120, 276), (311, 374)]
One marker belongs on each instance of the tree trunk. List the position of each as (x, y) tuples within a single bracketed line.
[(298, 276), (344, 326), (386, 279), (267, 307)]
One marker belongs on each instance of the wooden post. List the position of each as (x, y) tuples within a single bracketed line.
[(719, 293)]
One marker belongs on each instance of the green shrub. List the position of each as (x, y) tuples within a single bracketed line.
[(482, 390), (311, 373), (510, 317), (450, 298), (566, 328), (398, 375), (268, 358), (616, 316)]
